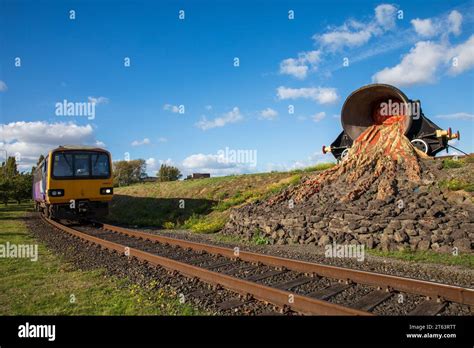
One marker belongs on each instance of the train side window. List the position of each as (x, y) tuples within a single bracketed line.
[(81, 165), (100, 165), (62, 165)]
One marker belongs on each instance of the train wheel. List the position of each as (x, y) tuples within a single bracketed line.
[(344, 154), (420, 145)]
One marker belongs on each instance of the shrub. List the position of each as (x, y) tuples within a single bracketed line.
[(205, 224), (169, 225), (259, 238)]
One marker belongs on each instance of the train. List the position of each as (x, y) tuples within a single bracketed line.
[(362, 109), (74, 182)]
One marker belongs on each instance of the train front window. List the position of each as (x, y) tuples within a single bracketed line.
[(81, 165), (100, 165), (62, 165)]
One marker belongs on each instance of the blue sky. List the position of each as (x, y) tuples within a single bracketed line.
[(190, 62)]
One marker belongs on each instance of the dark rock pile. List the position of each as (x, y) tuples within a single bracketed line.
[(384, 199)]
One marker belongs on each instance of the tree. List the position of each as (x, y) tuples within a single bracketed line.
[(40, 159), (14, 185), (129, 172), (168, 173), (9, 168), (21, 187), (5, 189)]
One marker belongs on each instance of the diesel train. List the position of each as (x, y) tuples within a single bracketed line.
[(74, 182), (364, 107)]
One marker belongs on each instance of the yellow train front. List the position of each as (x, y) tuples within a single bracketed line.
[(74, 182)]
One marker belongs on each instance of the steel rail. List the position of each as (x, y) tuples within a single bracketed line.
[(414, 286), (281, 298)]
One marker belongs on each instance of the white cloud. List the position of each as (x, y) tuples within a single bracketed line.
[(354, 33), (31, 139), (232, 116), (3, 86), (426, 61), (319, 94), (344, 36), (214, 164), (424, 27), (442, 25), (420, 65), (458, 116), (98, 100), (153, 165), (385, 15), (455, 21), (172, 108), (162, 140), (99, 143), (464, 54), (268, 114), (319, 116), (300, 66), (145, 141)]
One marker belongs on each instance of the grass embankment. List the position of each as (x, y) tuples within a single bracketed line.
[(50, 286), (457, 184), (201, 205)]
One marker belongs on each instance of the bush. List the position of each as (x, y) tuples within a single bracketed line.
[(169, 225), (208, 224)]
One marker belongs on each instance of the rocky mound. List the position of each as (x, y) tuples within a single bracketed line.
[(384, 195)]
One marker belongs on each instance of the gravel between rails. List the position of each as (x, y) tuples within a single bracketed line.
[(85, 256)]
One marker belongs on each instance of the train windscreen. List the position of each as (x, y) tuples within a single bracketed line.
[(81, 165)]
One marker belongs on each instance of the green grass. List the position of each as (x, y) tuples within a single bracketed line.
[(450, 163), (316, 168), (462, 259), (47, 286), (456, 185)]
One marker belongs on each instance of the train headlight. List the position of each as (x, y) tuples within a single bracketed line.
[(56, 193), (106, 191)]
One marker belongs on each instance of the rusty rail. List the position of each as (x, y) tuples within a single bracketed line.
[(414, 286), (281, 298)]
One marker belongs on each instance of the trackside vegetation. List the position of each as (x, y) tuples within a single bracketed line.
[(51, 286)]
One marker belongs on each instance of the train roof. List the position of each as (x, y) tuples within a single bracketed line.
[(78, 147)]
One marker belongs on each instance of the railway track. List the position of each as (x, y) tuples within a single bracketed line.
[(292, 285)]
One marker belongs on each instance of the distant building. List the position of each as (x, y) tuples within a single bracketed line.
[(150, 179), (198, 176)]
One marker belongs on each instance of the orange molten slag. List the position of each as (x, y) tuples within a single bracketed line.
[(378, 157)]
